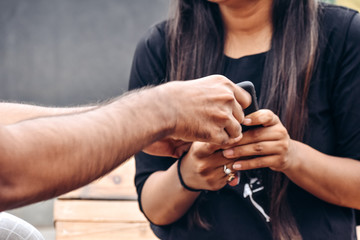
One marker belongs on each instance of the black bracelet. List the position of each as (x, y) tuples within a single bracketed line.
[(181, 179)]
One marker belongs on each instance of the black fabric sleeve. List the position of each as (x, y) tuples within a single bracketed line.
[(149, 62), (149, 68), (146, 165), (346, 93)]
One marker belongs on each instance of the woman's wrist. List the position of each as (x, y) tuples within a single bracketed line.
[(183, 184), (295, 158)]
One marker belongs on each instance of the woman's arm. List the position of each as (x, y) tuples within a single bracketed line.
[(333, 179), (163, 199)]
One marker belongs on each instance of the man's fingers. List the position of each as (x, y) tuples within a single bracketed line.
[(233, 129), (238, 112), (182, 149), (242, 96), (206, 149)]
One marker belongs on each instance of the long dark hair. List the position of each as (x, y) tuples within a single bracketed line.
[(195, 44)]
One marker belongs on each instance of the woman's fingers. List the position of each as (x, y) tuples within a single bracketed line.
[(205, 167), (256, 149), (263, 117), (274, 162)]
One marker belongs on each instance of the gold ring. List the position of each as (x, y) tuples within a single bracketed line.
[(231, 177)]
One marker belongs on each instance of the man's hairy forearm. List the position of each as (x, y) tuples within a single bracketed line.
[(53, 155)]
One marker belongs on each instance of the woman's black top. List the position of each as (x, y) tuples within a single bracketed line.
[(333, 128)]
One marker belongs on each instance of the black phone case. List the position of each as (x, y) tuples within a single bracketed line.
[(249, 87)]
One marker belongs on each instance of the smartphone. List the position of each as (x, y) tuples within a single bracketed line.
[(249, 87)]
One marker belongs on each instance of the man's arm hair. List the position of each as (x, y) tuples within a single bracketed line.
[(45, 157), (12, 112)]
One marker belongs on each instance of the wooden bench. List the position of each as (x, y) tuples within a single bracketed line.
[(105, 209)]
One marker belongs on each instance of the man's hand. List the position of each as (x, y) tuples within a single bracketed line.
[(211, 109), (168, 147)]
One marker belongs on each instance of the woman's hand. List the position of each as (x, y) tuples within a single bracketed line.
[(330, 178), (168, 147), (203, 167), (268, 145), (165, 199)]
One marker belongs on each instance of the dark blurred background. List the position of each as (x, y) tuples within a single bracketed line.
[(68, 52)]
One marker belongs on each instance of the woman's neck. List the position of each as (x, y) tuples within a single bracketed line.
[(248, 27)]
